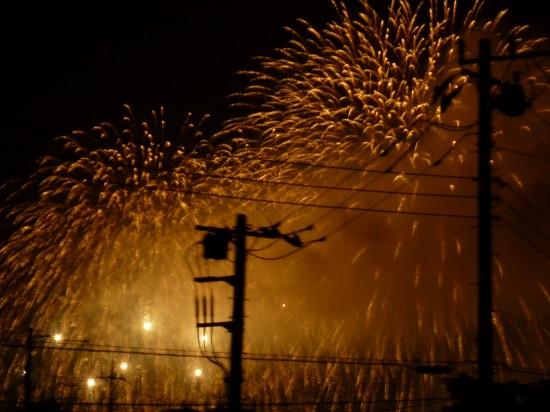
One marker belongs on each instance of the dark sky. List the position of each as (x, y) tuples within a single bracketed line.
[(71, 65)]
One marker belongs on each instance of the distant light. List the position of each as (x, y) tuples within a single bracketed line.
[(91, 382), (198, 372), (204, 338), (57, 337), (283, 305), (124, 366), (147, 325)]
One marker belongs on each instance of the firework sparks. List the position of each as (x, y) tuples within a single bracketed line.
[(344, 118)]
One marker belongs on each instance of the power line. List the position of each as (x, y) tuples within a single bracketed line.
[(335, 188), (266, 357), (536, 228), (532, 156), (333, 207), (524, 200), (525, 238), (291, 203), (419, 401), (286, 358)]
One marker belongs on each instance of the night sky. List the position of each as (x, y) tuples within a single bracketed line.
[(71, 65)]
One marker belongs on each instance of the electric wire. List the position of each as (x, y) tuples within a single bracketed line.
[(408, 403), (530, 155), (525, 238), (288, 203), (522, 216), (405, 363), (532, 207)]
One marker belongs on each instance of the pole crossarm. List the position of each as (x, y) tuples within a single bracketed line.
[(208, 279), (212, 229), (229, 325)]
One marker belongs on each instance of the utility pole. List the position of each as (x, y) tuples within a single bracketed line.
[(510, 101), (112, 378), (215, 244), (31, 338), (485, 251), (28, 365)]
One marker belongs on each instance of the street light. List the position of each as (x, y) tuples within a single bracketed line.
[(147, 325)]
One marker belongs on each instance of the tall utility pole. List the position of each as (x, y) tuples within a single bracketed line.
[(112, 378), (216, 244), (511, 102), (485, 250)]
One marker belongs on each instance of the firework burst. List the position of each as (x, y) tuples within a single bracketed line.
[(352, 107), (82, 251), (342, 118)]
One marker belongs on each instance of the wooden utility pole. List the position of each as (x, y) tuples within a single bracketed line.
[(215, 247), (112, 378), (235, 378)]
